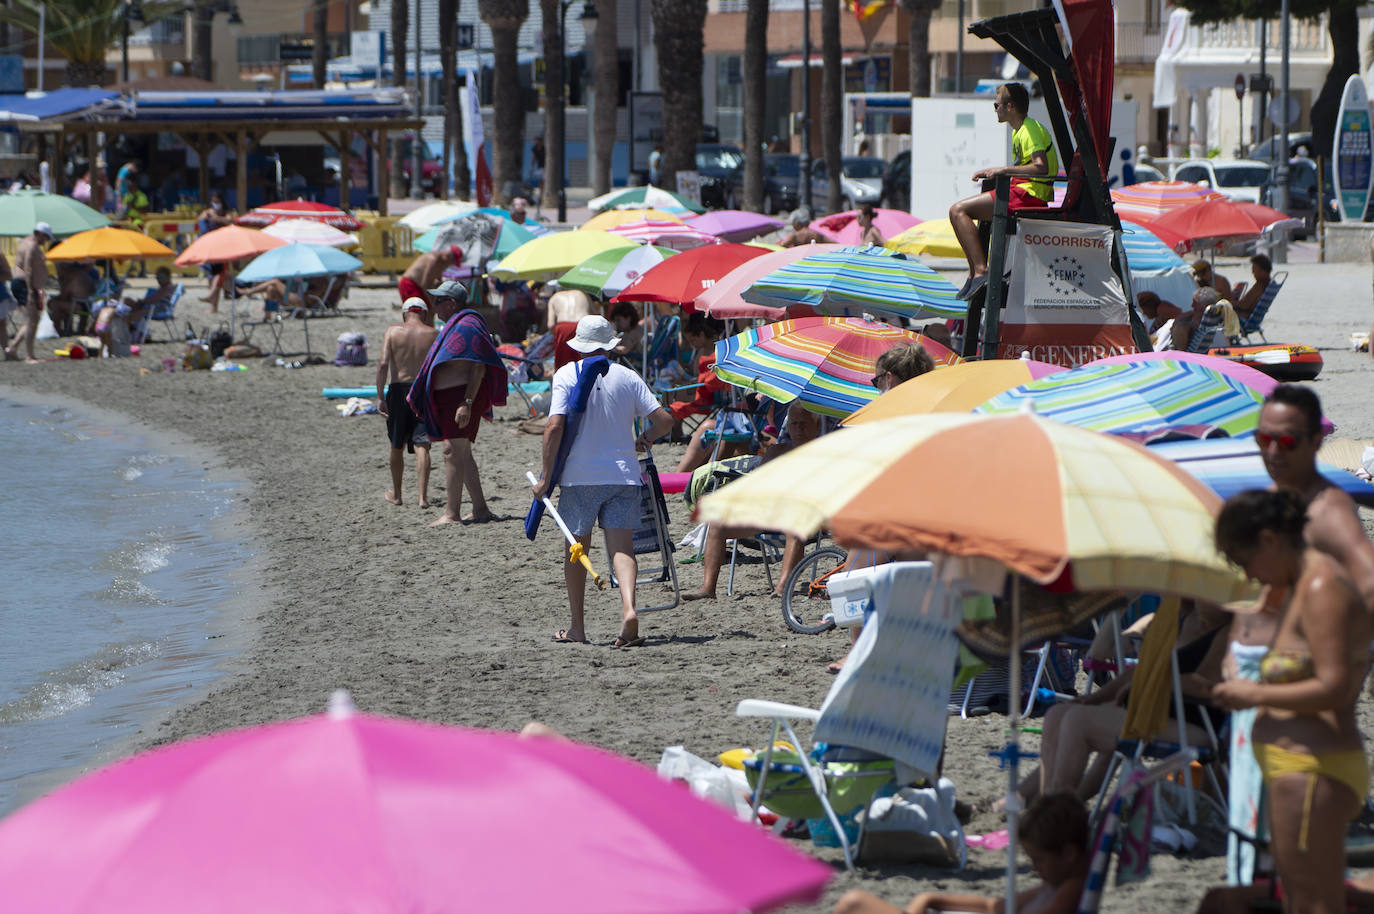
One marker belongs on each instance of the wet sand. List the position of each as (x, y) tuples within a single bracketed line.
[(454, 623)]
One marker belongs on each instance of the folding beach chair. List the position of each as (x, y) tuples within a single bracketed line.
[(164, 311), (887, 703), (1204, 335), (651, 537), (1249, 326)]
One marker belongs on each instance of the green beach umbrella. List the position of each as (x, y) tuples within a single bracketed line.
[(607, 273), (21, 210), (648, 197)]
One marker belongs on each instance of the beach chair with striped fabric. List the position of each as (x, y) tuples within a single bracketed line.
[(887, 703), (1250, 325), (1204, 335), (651, 538)]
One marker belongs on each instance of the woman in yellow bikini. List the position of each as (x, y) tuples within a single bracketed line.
[(1305, 736)]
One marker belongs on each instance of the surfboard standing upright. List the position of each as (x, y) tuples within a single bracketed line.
[(1352, 151)]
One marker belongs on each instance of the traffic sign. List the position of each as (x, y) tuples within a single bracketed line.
[(1240, 85), (1279, 114)]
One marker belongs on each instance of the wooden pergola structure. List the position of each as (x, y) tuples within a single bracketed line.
[(239, 127)]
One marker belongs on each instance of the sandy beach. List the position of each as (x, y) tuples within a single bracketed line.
[(454, 623)]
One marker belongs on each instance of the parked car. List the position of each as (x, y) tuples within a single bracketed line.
[(1145, 173), (1239, 179), (861, 181), (781, 182), (897, 182), (1266, 151), (721, 170), (1302, 195)]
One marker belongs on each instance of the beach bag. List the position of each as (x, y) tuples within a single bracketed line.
[(916, 825), (220, 340), (197, 355), (352, 350)]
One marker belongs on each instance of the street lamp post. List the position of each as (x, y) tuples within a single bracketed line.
[(805, 159), (589, 18), (133, 11), (417, 161)]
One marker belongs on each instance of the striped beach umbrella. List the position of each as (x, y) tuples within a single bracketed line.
[(1231, 465), (958, 389), (664, 232), (1137, 397), (825, 362), (852, 280), (1143, 202), (647, 197), (609, 219), (724, 299), (1155, 265)]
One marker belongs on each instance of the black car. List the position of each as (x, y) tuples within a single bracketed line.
[(1302, 195), (897, 183), (781, 182), (721, 170)]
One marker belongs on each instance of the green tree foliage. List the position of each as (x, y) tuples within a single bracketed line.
[(82, 31)]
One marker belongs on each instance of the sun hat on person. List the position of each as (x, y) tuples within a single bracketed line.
[(415, 303), (42, 228), (451, 289), (594, 334)]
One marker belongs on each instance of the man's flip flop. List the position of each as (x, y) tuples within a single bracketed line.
[(637, 641), (962, 294), (974, 284), (561, 637)]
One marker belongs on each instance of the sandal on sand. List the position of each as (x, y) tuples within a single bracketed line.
[(637, 641), (561, 637)]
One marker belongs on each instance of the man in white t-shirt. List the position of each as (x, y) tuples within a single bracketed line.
[(600, 480)]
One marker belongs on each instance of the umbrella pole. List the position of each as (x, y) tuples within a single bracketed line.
[(1013, 741)]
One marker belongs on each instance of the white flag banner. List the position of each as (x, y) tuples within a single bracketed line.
[(1063, 274)]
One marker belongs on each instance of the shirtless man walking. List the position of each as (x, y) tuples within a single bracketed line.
[(566, 308), (426, 272), (30, 280), (404, 347), (455, 386)]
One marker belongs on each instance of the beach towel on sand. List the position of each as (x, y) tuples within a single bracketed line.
[(464, 337), (588, 370)]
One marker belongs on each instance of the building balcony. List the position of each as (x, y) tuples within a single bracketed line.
[(1236, 41)]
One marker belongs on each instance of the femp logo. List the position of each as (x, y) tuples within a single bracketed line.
[(1066, 275)]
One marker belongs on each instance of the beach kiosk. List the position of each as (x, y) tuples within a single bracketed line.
[(1058, 286)]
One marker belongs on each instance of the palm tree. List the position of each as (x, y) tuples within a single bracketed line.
[(400, 25), (319, 58), (202, 40), (831, 100), (554, 102), (678, 39), (504, 17), (82, 31), (755, 99), (918, 44), (606, 75)]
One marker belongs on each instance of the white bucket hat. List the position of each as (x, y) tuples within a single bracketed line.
[(594, 334)]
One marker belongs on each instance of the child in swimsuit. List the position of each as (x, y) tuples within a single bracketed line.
[(1305, 737)]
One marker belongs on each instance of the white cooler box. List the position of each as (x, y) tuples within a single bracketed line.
[(851, 595)]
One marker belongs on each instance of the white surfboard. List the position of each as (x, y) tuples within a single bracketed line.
[(1352, 152)]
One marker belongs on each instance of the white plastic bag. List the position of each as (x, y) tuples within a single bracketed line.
[(725, 786)]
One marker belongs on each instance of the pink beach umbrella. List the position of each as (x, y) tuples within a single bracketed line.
[(1252, 378), (723, 299), (349, 812), (843, 228)]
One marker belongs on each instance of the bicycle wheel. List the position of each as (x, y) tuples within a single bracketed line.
[(805, 598)]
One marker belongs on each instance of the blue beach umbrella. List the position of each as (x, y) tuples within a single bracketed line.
[(1231, 465), (1156, 267), (1137, 397), (299, 261), (851, 280)]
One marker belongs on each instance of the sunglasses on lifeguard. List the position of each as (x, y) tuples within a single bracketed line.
[(1285, 442)]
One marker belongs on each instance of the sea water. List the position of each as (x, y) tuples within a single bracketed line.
[(117, 565)]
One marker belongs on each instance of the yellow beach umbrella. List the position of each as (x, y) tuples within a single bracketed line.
[(614, 217), (109, 243), (955, 389), (934, 237), (550, 256), (766, 245), (1049, 501)]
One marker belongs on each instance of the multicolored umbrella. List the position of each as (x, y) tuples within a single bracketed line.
[(264, 216), (356, 812), (734, 224), (663, 232), (603, 275), (843, 228), (1145, 201), (21, 210), (1091, 511), (934, 237), (308, 231), (109, 243), (1137, 397), (550, 256), (825, 362), (431, 214), (299, 261), (688, 275), (647, 197), (1228, 466), (956, 389), (852, 280), (225, 244), (605, 221), (723, 299)]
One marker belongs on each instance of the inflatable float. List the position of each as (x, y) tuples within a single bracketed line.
[(1281, 361)]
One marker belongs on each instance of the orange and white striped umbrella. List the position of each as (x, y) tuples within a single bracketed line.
[(1151, 199), (1046, 500)]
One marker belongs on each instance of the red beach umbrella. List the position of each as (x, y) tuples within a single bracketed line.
[(680, 284), (1212, 219), (300, 209)]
